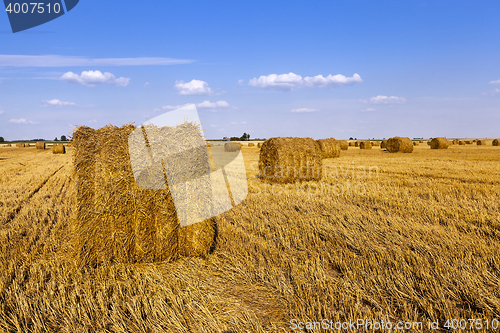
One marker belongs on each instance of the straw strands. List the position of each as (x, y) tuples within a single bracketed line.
[(343, 144), (439, 143), (330, 148), (399, 145), (495, 142), (290, 159), (40, 145), (251, 144), (481, 142), (118, 221), (383, 144)]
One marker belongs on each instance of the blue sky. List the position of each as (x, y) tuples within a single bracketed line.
[(364, 69)]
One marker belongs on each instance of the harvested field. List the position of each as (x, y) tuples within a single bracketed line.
[(419, 243)]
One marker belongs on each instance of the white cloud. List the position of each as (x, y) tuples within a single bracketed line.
[(381, 99), (194, 87), (204, 104), (92, 78), (368, 110), (495, 82), (291, 80), (238, 123), (146, 84), (21, 121), (92, 121), (241, 82), (493, 92), (208, 104), (71, 61), (56, 102), (301, 110)]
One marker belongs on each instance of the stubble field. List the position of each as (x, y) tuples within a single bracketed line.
[(383, 237)]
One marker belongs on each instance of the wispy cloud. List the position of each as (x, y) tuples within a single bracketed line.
[(368, 110), (492, 92), (146, 84), (56, 102), (21, 121), (92, 78), (238, 123), (204, 104), (291, 80), (193, 87), (495, 82), (301, 110), (382, 99), (72, 61), (1, 110)]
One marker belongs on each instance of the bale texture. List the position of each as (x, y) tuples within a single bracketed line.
[(231, 146), (259, 144), (467, 142), (376, 143), (495, 142), (21, 145), (58, 148), (356, 144), (383, 144), (118, 221), (399, 145), (455, 142), (461, 143), (40, 145), (343, 144), (251, 144), (439, 143), (350, 144), (330, 148), (481, 142), (286, 160), (415, 143), (365, 145)]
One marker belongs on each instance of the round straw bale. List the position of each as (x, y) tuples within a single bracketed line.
[(231, 146), (365, 145), (376, 143), (421, 141), (40, 145), (455, 142), (58, 148), (399, 145), (8, 145), (356, 144), (343, 144), (330, 148), (383, 144), (461, 143), (481, 142), (415, 143), (251, 144), (259, 144), (351, 144), (439, 143), (495, 142), (283, 160), (467, 142)]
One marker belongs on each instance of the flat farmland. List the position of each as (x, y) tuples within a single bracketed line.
[(382, 237)]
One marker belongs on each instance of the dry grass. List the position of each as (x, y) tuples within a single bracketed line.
[(420, 244)]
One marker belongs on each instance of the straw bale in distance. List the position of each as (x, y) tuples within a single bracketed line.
[(231, 146), (356, 144), (421, 141), (259, 144), (415, 143), (20, 145), (439, 143), (251, 144), (467, 142), (118, 221), (290, 159), (40, 145), (8, 145), (350, 144), (58, 148), (343, 144), (455, 142), (383, 144), (330, 148), (399, 145), (365, 145), (461, 143), (481, 142), (376, 143), (495, 142)]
